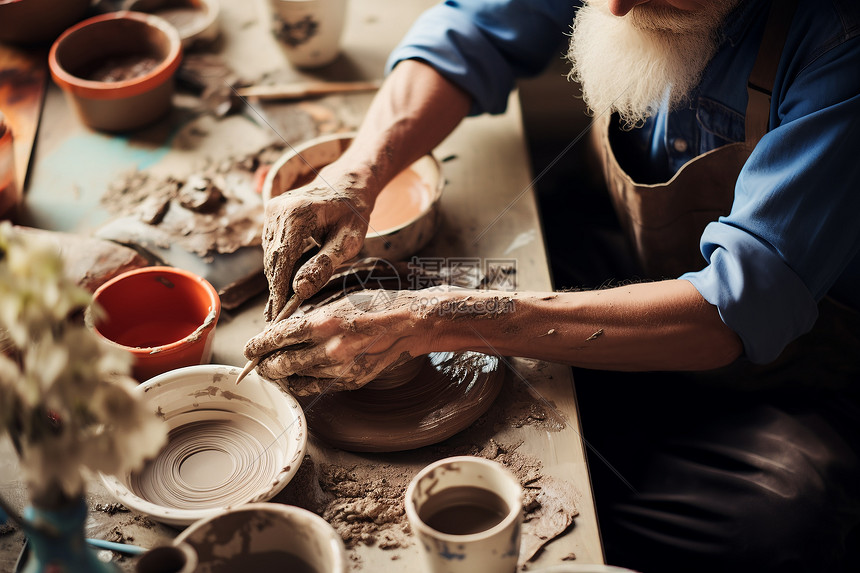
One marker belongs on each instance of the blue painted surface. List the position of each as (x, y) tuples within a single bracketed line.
[(64, 191)]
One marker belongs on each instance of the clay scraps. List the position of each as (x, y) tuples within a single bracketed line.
[(364, 501), (207, 213)]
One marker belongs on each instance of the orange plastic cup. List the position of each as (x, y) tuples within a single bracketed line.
[(164, 317)]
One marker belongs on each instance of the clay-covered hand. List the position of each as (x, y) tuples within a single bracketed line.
[(340, 346), (333, 212)]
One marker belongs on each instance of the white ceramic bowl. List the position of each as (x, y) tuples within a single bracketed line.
[(228, 444), (257, 536), (397, 242)]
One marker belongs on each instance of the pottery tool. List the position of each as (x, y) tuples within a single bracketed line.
[(288, 309), (124, 548), (301, 90), (308, 250)]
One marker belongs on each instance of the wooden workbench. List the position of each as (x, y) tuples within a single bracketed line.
[(488, 209)]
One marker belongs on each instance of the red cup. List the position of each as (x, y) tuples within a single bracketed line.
[(10, 194), (163, 316)]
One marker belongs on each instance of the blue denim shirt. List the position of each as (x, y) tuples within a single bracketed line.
[(793, 233)]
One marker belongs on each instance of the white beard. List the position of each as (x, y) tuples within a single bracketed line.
[(632, 64)]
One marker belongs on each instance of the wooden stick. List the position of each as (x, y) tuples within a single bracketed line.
[(305, 89), (292, 305), (289, 308)]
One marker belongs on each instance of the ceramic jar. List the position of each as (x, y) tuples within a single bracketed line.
[(308, 31), (267, 537), (467, 514)]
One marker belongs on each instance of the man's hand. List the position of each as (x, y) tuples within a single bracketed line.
[(332, 211), (342, 345), (415, 109)]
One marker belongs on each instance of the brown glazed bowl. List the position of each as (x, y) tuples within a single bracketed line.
[(395, 242), (117, 69), (31, 22)]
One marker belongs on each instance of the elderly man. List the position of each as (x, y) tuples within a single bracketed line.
[(726, 133)]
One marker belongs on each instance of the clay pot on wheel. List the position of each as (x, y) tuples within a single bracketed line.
[(117, 69), (421, 402)]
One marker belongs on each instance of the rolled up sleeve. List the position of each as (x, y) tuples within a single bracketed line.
[(753, 287), (484, 46), (793, 229)]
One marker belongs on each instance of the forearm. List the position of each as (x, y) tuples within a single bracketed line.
[(647, 326), (415, 109)]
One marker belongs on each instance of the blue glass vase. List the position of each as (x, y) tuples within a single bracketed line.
[(57, 543)]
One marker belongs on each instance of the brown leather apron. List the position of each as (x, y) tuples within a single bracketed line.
[(664, 221)]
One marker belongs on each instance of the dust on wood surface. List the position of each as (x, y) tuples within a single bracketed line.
[(364, 501)]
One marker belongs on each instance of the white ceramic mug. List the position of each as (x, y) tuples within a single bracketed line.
[(309, 31), (466, 513)]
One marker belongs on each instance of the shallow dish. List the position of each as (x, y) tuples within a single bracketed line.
[(407, 209), (265, 537), (228, 445)]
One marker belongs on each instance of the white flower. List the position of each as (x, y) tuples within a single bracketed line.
[(65, 396)]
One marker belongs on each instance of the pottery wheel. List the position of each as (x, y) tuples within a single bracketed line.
[(208, 463), (449, 392)]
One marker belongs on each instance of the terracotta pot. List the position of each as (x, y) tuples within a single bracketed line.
[(164, 317), (30, 22), (117, 69)]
